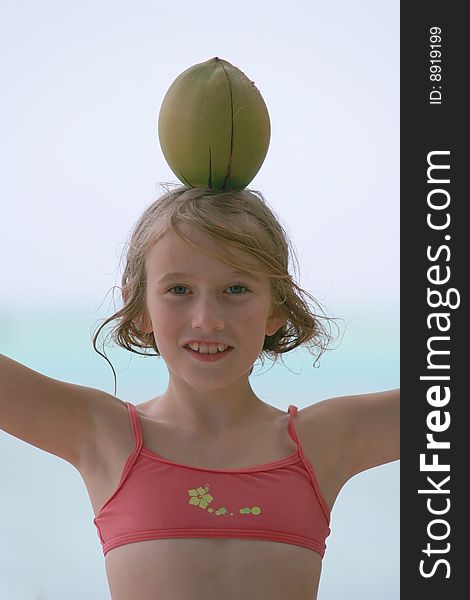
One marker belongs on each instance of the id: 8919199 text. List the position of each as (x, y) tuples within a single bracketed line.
[(435, 69)]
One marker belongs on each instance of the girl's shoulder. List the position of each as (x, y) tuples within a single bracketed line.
[(111, 435), (349, 434)]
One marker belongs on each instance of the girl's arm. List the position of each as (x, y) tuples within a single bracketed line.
[(52, 415), (357, 432)]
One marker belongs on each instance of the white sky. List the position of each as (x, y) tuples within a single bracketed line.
[(82, 85)]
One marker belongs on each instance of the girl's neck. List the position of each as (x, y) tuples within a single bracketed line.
[(209, 412)]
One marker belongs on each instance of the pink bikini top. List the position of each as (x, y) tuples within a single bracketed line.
[(157, 498)]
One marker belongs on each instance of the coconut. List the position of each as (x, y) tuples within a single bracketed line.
[(214, 126)]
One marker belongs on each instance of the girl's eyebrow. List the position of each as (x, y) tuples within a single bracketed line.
[(173, 275)]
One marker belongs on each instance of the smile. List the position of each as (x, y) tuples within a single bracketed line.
[(208, 357)]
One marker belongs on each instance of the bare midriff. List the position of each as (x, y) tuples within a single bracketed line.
[(211, 569)]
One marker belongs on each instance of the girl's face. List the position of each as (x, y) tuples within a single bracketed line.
[(195, 296)]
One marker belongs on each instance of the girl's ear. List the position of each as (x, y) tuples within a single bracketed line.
[(143, 323), (274, 323)]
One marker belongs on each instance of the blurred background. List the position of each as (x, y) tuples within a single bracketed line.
[(82, 85)]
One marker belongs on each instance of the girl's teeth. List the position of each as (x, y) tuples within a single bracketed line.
[(204, 349), (208, 349)]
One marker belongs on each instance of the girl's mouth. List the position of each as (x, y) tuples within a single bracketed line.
[(206, 357)]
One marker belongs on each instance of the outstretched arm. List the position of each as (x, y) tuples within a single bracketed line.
[(52, 415), (373, 431), (359, 432)]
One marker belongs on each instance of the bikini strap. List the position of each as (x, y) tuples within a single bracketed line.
[(131, 459), (136, 425), (308, 465), (290, 427)]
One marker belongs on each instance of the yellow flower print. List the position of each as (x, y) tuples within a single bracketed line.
[(200, 497)]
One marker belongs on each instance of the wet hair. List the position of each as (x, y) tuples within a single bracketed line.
[(234, 219)]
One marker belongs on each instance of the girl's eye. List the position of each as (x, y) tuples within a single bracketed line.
[(183, 287), (238, 286), (176, 287)]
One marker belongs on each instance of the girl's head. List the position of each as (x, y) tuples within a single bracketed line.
[(210, 235)]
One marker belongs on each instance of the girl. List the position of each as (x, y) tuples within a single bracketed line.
[(207, 491)]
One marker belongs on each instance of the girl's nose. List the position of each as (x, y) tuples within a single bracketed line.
[(208, 315)]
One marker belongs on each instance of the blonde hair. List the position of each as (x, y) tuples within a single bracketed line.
[(239, 219)]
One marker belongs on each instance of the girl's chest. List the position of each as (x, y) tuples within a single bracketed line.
[(104, 471)]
